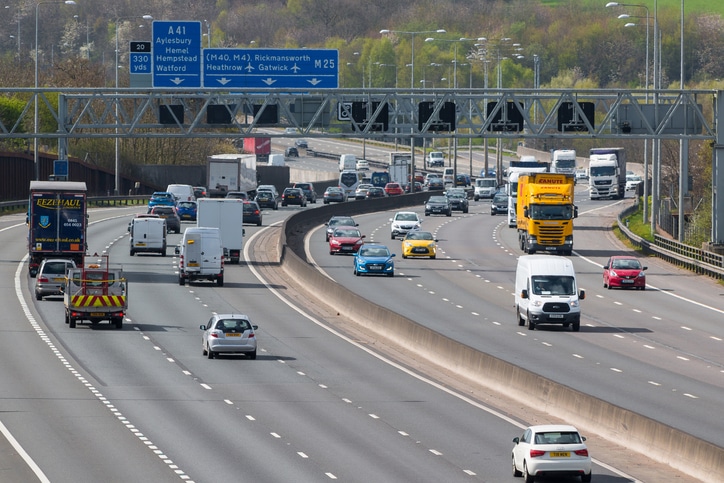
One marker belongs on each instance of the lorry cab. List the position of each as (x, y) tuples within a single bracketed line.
[(546, 292), (148, 235), (201, 256)]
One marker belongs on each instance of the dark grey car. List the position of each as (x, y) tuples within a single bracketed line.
[(499, 204), (438, 205)]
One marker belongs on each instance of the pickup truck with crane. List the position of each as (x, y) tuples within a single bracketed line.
[(95, 292)]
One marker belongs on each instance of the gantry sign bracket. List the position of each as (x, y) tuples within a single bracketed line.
[(491, 113)]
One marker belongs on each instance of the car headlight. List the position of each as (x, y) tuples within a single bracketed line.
[(431, 245), (613, 274), (574, 303), (641, 274)]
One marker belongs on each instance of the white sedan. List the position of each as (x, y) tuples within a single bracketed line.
[(549, 450)]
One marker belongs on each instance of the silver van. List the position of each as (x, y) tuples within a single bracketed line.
[(182, 192), (201, 256)]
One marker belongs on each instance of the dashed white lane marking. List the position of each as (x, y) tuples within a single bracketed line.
[(96, 393)]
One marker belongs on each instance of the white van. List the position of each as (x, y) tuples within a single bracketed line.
[(448, 176), (276, 160), (546, 292), (201, 256), (182, 192), (148, 235), (347, 162)]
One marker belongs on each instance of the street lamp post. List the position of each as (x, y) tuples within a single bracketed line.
[(116, 190), (35, 128), (646, 143), (412, 46)]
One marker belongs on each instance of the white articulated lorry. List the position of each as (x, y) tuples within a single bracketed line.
[(563, 161), (607, 173), (527, 164), (226, 214), (230, 172)]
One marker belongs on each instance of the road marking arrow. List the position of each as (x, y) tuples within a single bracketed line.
[(177, 80), (268, 81), (314, 81), (223, 81)]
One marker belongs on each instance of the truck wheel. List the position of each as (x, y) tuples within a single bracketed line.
[(66, 317), (132, 252), (181, 281), (71, 323), (220, 281), (449, 213), (119, 323), (521, 321), (576, 325), (531, 324)]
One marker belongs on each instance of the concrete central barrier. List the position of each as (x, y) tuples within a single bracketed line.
[(656, 440)]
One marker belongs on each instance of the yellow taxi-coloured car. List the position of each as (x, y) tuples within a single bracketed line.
[(419, 244)]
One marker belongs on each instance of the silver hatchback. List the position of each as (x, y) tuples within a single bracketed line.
[(230, 334), (51, 276)]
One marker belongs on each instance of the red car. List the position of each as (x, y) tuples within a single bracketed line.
[(394, 189), (624, 271), (345, 239)]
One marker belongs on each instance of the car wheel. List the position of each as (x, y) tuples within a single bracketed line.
[(465, 210), (220, 281), (609, 286), (404, 256), (427, 213), (531, 324), (258, 224), (391, 274), (356, 272), (643, 287), (210, 354), (252, 355), (275, 207), (284, 204), (604, 284), (203, 350), (432, 257), (38, 296), (527, 477), (521, 321), (576, 326), (392, 236), (587, 478), (331, 252), (516, 473)]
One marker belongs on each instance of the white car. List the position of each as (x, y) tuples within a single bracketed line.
[(404, 222), (550, 450), (361, 191), (632, 182), (229, 334), (363, 165)]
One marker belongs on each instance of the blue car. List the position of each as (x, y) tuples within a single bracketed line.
[(162, 198), (374, 259), (187, 210)]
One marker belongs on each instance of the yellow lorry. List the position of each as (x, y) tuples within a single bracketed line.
[(545, 212)]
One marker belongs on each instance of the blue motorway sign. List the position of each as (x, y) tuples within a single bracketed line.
[(176, 54), (140, 57), (271, 68)]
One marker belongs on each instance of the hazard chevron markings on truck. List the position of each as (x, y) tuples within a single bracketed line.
[(98, 300)]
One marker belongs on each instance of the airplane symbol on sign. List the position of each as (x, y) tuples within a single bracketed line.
[(249, 68), (296, 68)]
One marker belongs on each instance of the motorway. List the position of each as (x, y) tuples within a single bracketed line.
[(81, 404)]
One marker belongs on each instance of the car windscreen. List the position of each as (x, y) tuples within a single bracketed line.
[(553, 285)]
